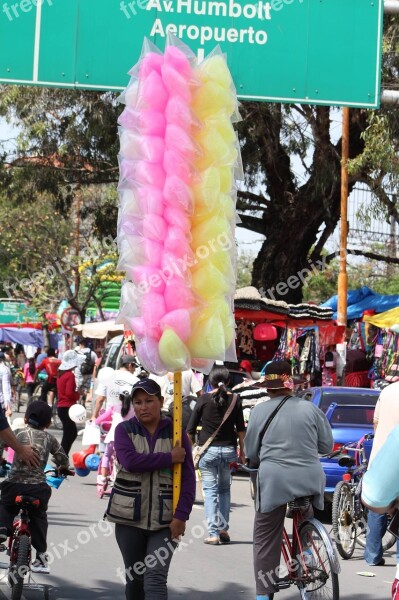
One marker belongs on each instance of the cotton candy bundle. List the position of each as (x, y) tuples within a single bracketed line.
[(178, 159)]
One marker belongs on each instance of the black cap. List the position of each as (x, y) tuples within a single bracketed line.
[(148, 385), (128, 359), (38, 414)]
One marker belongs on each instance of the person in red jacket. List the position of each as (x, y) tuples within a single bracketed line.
[(67, 396)]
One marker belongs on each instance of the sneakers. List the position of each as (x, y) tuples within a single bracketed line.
[(40, 564), (395, 589)]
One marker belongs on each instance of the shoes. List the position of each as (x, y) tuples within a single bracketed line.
[(395, 589), (379, 564), (224, 537), (212, 541), (40, 564)]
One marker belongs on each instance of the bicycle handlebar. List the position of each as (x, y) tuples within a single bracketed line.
[(60, 472)]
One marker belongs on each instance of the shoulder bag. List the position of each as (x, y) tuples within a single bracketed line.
[(198, 451)]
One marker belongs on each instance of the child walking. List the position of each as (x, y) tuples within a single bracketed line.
[(24, 479), (115, 413)]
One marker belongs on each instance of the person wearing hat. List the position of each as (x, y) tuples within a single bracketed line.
[(141, 501), (67, 397), (108, 393), (31, 481), (289, 466)]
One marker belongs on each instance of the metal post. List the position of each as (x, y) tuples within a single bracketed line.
[(343, 276), (177, 434)]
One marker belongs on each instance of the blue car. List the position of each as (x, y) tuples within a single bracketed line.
[(350, 412)]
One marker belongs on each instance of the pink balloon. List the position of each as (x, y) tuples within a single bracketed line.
[(153, 309), (175, 163), (154, 227), (178, 112), (178, 60), (147, 278), (151, 62), (176, 138), (153, 91), (179, 321), (175, 83), (150, 200), (177, 217), (147, 351), (178, 194), (178, 296), (138, 327)]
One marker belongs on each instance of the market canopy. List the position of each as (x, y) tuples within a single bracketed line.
[(99, 330), (27, 336), (364, 299)]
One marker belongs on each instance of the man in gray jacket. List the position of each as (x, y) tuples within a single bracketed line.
[(289, 466)]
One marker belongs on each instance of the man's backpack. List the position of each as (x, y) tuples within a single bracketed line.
[(88, 366)]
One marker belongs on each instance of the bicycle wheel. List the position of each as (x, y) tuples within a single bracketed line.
[(387, 541), (37, 392), (343, 519), (321, 563), (20, 567)]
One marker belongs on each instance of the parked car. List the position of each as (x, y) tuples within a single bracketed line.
[(350, 412)]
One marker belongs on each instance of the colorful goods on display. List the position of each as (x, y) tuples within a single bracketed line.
[(179, 158)]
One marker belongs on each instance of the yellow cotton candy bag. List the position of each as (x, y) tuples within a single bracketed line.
[(215, 68), (173, 352)]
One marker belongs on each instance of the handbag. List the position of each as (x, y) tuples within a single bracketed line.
[(198, 450)]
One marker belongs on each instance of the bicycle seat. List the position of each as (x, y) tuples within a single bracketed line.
[(346, 461), (301, 503), (27, 501)]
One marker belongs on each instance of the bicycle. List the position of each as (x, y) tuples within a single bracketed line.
[(19, 545), (55, 418), (349, 516), (311, 562)]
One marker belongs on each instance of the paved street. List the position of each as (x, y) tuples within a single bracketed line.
[(86, 558)]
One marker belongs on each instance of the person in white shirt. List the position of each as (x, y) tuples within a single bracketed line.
[(190, 385), (108, 393), (5, 386)]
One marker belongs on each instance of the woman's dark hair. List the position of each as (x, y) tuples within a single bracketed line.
[(126, 400), (32, 367), (219, 378)]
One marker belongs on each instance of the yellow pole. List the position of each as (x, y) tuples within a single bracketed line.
[(343, 276), (177, 434)]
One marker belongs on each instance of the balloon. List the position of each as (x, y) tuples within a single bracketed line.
[(173, 352), (211, 98), (178, 60), (179, 321), (148, 353), (178, 112), (154, 227), (153, 91), (214, 68), (207, 336), (150, 199), (77, 413), (175, 83), (178, 194), (150, 62), (105, 375), (141, 147), (177, 217), (178, 296)]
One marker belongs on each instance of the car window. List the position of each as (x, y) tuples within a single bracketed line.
[(113, 355), (329, 398), (353, 415)]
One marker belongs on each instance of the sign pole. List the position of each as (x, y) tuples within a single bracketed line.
[(177, 434), (343, 276)]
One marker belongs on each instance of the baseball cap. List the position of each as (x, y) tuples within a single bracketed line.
[(128, 359), (147, 385), (38, 413)]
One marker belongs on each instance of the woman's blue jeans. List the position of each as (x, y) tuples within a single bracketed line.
[(216, 482), (376, 528)]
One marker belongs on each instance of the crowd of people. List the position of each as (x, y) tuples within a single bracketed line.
[(283, 439)]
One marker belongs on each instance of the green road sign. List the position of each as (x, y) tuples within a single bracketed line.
[(17, 312), (308, 51)]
